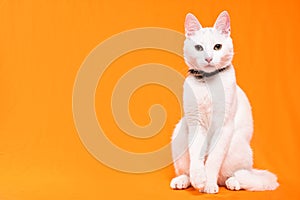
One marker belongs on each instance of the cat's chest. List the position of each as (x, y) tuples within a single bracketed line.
[(201, 98), (197, 97)]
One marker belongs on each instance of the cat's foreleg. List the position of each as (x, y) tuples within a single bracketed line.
[(217, 151), (197, 150), (180, 156)]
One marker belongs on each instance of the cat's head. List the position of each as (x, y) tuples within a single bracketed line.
[(208, 49)]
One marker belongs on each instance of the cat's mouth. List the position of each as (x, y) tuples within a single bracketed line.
[(209, 66)]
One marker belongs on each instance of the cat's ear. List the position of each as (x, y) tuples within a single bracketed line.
[(222, 23), (191, 25)]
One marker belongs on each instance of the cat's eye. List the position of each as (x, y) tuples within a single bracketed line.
[(217, 47), (198, 47)]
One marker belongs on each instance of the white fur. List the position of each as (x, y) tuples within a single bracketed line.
[(227, 159)]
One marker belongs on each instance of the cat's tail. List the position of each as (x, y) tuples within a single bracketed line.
[(256, 180)]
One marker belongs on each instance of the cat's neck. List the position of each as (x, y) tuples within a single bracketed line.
[(199, 74), (226, 73)]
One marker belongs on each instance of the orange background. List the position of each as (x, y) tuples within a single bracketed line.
[(42, 45)]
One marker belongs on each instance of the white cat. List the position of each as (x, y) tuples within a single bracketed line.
[(210, 144)]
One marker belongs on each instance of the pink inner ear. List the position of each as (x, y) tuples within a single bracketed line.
[(223, 23), (191, 24)]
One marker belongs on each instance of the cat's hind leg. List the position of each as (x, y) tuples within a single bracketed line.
[(232, 183), (252, 180), (181, 157)]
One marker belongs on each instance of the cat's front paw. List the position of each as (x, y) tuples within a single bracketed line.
[(180, 182), (198, 178), (211, 188)]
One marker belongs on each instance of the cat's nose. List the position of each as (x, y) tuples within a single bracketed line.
[(208, 59)]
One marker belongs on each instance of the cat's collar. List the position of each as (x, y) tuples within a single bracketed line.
[(199, 74)]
